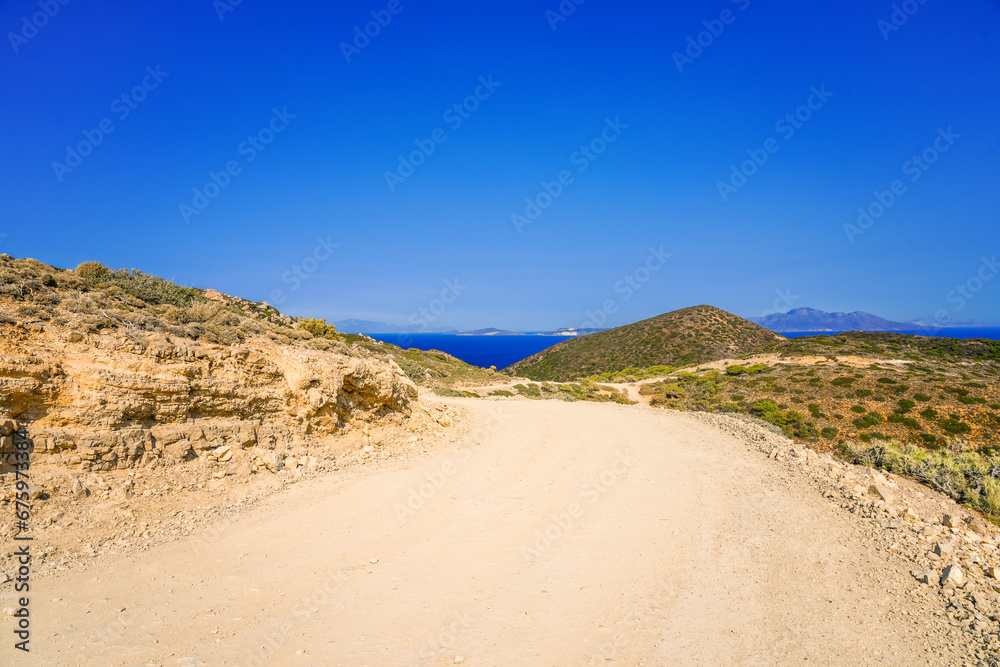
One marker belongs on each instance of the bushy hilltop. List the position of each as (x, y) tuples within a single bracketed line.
[(106, 369), (680, 338)]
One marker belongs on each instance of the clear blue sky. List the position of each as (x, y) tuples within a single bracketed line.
[(323, 175)]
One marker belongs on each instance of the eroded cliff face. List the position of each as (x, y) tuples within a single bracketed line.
[(126, 399)]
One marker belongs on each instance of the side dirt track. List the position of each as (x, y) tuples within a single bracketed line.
[(552, 533)]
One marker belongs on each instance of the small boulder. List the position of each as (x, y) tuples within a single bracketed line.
[(951, 521), (178, 451), (978, 526), (240, 465), (7, 426), (273, 461), (78, 490), (166, 434), (944, 551), (246, 436), (953, 577), (124, 491), (203, 444), (982, 603), (923, 576), (883, 493)]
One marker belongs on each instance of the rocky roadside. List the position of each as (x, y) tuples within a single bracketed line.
[(951, 554)]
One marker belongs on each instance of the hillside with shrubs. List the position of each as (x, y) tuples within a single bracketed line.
[(680, 338), (94, 298)]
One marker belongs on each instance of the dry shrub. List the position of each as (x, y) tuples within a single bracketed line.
[(202, 312)]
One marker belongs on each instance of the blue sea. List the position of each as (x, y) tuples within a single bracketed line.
[(992, 333), (485, 351)]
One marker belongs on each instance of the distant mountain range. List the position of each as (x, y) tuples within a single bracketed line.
[(354, 326), (810, 319)]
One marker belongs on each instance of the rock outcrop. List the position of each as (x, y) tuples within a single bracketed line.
[(129, 399)]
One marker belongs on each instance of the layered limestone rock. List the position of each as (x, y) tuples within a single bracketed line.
[(128, 399)]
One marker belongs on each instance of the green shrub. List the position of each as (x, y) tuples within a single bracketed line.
[(863, 393), (736, 370), (870, 419), (829, 433), (954, 426), (909, 422), (532, 390), (971, 400), (923, 398), (729, 407), (843, 381), (501, 392), (860, 409), (929, 413), (135, 283), (318, 328), (91, 272), (765, 409), (905, 405), (886, 381), (792, 423)]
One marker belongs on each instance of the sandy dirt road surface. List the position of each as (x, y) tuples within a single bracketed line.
[(554, 534)]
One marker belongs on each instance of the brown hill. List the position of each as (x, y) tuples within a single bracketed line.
[(680, 338)]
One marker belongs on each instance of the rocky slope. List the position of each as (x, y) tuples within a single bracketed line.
[(112, 400), (97, 378)]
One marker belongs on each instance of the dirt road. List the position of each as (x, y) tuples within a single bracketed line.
[(558, 534)]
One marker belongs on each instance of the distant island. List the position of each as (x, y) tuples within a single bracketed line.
[(355, 326), (811, 319)]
